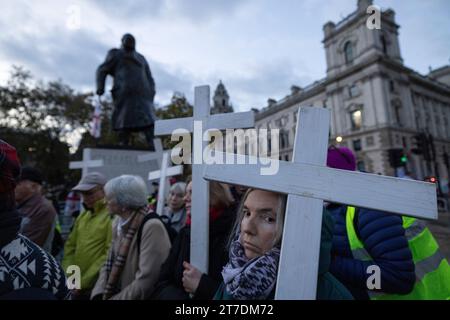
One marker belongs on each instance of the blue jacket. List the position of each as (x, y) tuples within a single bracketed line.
[(384, 239)]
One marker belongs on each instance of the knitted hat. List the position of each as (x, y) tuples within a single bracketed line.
[(341, 158)]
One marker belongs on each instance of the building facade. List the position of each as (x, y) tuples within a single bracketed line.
[(376, 102)]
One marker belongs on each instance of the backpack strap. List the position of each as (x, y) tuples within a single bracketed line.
[(149, 216)]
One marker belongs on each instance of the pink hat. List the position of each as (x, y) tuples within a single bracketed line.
[(341, 158)]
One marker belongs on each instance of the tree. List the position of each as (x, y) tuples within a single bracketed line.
[(179, 107), (38, 117)]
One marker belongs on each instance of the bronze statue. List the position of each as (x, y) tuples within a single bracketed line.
[(133, 91)]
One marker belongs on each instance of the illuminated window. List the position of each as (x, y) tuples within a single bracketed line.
[(356, 118)]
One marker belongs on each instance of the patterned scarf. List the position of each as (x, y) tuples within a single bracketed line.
[(250, 279), (115, 264)]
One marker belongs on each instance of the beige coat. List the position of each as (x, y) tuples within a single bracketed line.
[(140, 273)]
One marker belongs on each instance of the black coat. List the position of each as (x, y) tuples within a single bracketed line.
[(170, 285), (133, 90)]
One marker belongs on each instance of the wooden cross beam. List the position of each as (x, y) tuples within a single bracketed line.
[(162, 175), (86, 163), (200, 188), (308, 182)]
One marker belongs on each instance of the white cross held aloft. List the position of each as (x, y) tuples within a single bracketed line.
[(308, 182), (166, 171), (86, 163), (200, 187)]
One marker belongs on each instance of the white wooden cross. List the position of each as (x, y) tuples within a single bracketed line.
[(86, 163), (162, 175), (308, 182), (200, 187)]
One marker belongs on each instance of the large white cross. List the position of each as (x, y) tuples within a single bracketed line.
[(200, 187), (162, 175), (308, 182), (86, 163)]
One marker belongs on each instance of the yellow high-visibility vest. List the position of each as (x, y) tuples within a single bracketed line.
[(431, 268)]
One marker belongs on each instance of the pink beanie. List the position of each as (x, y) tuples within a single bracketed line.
[(341, 158)]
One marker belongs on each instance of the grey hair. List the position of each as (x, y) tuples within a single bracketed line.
[(128, 191), (178, 187), (280, 213)]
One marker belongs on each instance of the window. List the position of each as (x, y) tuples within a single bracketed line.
[(391, 86), (361, 166), (397, 114), (356, 119), (357, 145), (370, 141), (278, 123), (348, 51), (284, 137), (353, 90), (384, 44)]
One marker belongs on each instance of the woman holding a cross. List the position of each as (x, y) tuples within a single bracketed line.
[(254, 251), (178, 278)]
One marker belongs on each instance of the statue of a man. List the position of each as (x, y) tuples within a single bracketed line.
[(133, 91)]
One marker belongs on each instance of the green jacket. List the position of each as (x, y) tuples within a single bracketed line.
[(328, 287), (88, 243)]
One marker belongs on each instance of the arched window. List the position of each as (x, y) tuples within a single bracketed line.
[(348, 51)]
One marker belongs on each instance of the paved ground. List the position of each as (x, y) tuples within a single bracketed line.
[(441, 232)]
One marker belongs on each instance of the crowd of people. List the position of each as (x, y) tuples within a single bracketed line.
[(125, 251)]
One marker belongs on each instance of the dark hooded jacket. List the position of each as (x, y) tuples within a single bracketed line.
[(170, 285)]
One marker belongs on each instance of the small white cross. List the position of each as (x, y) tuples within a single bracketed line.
[(86, 163), (162, 175)]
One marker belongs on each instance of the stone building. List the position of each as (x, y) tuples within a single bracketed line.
[(376, 102)]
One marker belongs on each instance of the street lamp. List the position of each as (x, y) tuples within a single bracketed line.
[(338, 139)]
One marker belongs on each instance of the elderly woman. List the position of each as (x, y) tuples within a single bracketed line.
[(175, 212), (179, 279), (135, 257), (254, 251)]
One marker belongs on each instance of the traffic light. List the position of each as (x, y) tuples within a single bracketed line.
[(397, 158), (404, 159), (431, 179)]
